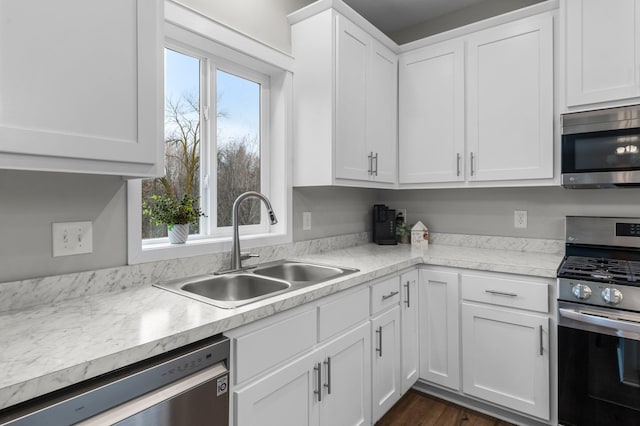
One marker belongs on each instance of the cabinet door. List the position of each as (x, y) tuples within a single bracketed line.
[(431, 118), (81, 86), (510, 101), (439, 328), (409, 335), (385, 364), (382, 111), (285, 397), (347, 380), (506, 358), (602, 50), (352, 160)]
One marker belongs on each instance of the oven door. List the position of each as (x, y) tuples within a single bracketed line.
[(601, 159), (598, 366)]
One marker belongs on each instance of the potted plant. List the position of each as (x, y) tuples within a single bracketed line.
[(177, 215), (404, 232)]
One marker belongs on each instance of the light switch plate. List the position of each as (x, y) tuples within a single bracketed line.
[(71, 238)]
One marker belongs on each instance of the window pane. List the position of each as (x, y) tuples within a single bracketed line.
[(238, 146), (182, 139)]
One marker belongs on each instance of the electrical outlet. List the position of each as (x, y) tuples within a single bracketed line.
[(520, 219), (306, 221), (404, 214), (71, 238)]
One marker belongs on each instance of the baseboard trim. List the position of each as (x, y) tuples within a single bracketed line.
[(477, 405)]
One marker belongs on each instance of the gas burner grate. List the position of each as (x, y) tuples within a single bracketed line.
[(600, 270)]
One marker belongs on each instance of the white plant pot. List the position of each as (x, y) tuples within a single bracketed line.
[(178, 233)]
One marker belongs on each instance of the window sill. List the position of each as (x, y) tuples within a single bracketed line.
[(161, 250)]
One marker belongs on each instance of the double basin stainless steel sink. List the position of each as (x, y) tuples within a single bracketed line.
[(237, 289)]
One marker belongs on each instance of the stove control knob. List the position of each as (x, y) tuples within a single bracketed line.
[(581, 291), (612, 296)]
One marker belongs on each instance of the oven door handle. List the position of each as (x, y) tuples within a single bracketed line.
[(601, 321)]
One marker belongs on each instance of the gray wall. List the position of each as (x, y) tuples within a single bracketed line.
[(459, 18), (31, 201), (490, 211), (334, 211)]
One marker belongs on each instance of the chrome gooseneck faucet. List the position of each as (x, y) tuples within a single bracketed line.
[(236, 256)]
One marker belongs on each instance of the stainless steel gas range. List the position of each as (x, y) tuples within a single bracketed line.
[(599, 322)]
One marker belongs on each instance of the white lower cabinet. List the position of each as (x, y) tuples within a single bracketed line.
[(506, 358), (439, 328), (346, 387), (490, 333), (284, 397), (385, 365), (329, 386), (409, 321), (351, 376)]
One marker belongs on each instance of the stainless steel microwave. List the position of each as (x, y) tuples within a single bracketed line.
[(601, 149)]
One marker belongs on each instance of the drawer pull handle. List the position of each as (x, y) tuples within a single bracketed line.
[(501, 293), (408, 301), (318, 391), (541, 340), (379, 348), (390, 295), (328, 384)]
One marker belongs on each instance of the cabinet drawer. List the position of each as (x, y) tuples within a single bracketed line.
[(342, 313), (267, 347), (506, 292), (385, 294)]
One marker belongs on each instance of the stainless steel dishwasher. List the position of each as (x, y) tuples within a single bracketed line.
[(187, 386)]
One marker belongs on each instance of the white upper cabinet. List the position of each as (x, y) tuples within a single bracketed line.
[(345, 102), (602, 51), (431, 118), (352, 50), (479, 108), (510, 101), (81, 86), (382, 112)]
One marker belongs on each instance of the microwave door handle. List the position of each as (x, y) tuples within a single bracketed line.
[(601, 321)]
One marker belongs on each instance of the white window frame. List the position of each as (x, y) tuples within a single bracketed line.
[(190, 33)]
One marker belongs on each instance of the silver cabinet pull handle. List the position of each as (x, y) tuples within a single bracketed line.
[(379, 348), (328, 384), (318, 391), (370, 157), (472, 158), (541, 346), (408, 301), (458, 164), (375, 171), (390, 295), (501, 293)]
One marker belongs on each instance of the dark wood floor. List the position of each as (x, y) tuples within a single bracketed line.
[(418, 409)]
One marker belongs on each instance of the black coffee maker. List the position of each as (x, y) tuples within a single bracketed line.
[(384, 225)]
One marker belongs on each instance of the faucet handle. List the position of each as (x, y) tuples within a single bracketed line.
[(246, 255)]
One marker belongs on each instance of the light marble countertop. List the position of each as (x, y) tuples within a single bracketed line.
[(48, 347)]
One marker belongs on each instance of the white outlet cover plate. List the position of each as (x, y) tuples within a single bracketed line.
[(306, 221), (71, 238), (520, 219)]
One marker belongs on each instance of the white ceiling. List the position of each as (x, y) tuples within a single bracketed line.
[(394, 15)]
